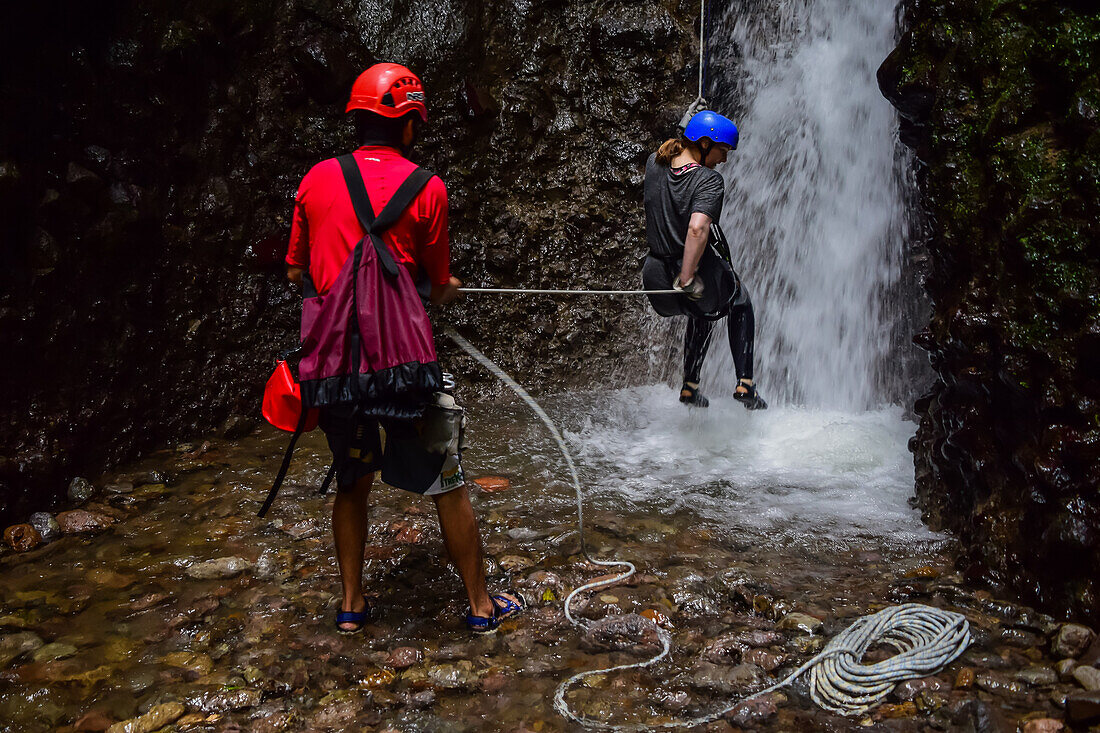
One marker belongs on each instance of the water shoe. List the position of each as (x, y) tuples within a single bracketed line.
[(504, 607), (690, 396), (750, 399), (359, 618)]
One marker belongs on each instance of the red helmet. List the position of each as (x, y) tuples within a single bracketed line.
[(390, 90)]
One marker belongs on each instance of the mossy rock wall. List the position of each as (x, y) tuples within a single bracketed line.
[(149, 156), (1001, 102)]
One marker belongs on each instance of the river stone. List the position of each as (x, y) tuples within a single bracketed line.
[(759, 637), (217, 699), (50, 652), (155, 719), (726, 680), (726, 649), (1072, 640), (907, 690), (119, 487), (22, 537), (800, 622), (1083, 708), (80, 490), (754, 711), (200, 664), (1088, 677), (629, 632), (999, 684), (14, 646), (79, 521), (222, 567), (452, 676), (46, 526), (1043, 725), (1037, 676), (1065, 668), (403, 657)]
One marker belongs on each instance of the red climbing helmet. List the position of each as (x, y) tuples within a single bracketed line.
[(390, 90)]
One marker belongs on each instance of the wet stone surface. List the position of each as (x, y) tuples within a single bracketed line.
[(172, 607)]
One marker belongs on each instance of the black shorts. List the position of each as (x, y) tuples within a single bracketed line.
[(355, 442)]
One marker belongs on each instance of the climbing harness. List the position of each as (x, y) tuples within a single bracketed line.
[(925, 638)]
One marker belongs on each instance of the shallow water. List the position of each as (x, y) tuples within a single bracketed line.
[(733, 519)]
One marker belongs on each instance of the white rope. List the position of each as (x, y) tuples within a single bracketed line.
[(925, 638), (567, 292)]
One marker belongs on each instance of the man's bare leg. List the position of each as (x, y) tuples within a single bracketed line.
[(349, 530), (463, 542)]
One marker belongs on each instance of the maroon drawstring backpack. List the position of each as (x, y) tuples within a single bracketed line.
[(367, 341)]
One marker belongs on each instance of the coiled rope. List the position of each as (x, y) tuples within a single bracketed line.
[(925, 638)]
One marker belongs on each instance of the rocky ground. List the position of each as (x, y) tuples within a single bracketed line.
[(160, 602)]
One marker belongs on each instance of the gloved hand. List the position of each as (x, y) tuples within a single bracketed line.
[(693, 289), (694, 108)]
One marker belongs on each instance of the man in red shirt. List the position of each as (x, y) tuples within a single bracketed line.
[(388, 103)]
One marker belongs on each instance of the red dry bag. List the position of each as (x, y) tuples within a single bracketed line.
[(283, 402)]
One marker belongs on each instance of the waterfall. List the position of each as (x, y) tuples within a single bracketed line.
[(815, 201)]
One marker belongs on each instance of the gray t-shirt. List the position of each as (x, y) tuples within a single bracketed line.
[(670, 200)]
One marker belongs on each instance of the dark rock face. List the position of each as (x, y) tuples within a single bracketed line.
[(1001, 102), (149, 159)]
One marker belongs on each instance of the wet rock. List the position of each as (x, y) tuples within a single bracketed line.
[(222, 567), (149, 600), (79, 521), (768, 661), (302, 530), (907, 690), (155, 719), (493, 683), (80, 490), (50, 652), (759, 637), (404, 657), (998, 684), (726, 649), (726, 680), (46, 526), (515, 562), (377, 678), (754, 711), (220, 699), (493, 483), (457, 675), (1087, 677), (119, 487), (236, 426), (1065, 668), (1037, 676), (1072, 640), (1083, 708), (800, 622), (14, 646), (977, 716), (900, 710), (1043, 725), (421, 700), (657, 618), (199, 664), (809, 644), (629, 632), (22, 537), (93, 720)]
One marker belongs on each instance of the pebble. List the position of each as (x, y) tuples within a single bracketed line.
[(726, 649), (50, 652), (1072, 640), (809, 644), (908, 690), (452, 676), (219, 699), (1037, 676), (515, 562), (964, 680), (998, 684), (222, 567), (1065, 668), (768, 661), (14, 646), (755, 711), (79, 521), (759, 637), (200, 664), (403, 657), (119, 487), (155, 719), (1088, 677), (1043, 725), (22, 537), (727, 680), (901, 710), (80, 490), (658, 618), (800, 622), (46, 526)]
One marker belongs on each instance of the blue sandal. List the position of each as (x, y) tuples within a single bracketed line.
[(359, 618), (503, 608)]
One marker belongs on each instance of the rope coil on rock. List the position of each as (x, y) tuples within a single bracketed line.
[(925, 638)]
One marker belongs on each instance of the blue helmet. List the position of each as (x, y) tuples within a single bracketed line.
[(713, 125)]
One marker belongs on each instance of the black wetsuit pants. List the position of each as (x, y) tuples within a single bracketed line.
[(741, 326)]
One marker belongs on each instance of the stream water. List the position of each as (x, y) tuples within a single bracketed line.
[(734, 519)]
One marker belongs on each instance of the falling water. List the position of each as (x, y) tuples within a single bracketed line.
[(814, 203)]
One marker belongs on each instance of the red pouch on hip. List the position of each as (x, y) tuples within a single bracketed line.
[(283, 401)]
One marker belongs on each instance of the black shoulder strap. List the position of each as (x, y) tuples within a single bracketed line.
[(397, 204), (285, 465)]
